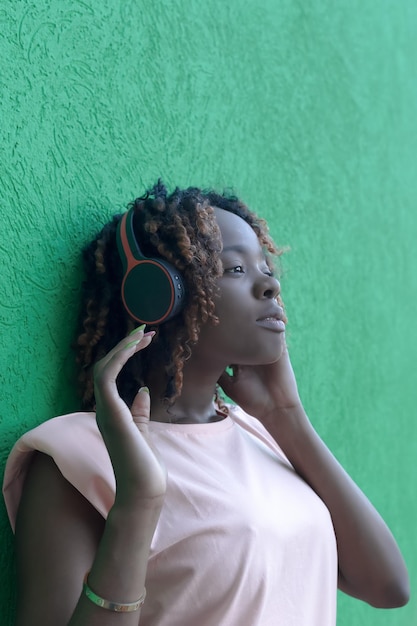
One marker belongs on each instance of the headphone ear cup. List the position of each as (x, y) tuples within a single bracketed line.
[(153, 291)]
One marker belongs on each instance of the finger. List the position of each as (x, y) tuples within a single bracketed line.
[(141, 406), (135, 335), (109, 368), (140, 410)]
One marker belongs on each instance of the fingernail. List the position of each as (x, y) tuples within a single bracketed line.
[(138, 329), (144, 390), (132, 343)]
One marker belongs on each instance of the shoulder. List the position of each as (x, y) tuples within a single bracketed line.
[(66, 426), (255, 428), (75, 444)]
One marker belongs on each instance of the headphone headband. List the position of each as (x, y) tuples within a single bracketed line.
[(129, 249), (152, 289)]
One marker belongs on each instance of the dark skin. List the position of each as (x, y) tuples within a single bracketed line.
[(57, 526)]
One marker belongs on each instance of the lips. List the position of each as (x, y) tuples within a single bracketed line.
[(273, 320), (275, 313)]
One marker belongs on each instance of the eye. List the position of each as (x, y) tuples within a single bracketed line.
[(236, 269)]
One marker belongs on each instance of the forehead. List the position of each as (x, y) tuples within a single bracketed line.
[(235, 231)]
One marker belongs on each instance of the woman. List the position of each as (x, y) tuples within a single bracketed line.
[(227, 519)]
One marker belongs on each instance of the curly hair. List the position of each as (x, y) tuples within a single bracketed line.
[(180, 227)]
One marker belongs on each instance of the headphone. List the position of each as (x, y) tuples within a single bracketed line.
[(152, 290)]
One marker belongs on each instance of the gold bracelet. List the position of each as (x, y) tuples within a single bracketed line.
[(112, 606)]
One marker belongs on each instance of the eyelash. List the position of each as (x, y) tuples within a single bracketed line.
[(230, 270)]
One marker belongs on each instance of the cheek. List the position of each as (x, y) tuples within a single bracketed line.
[(248, 344), (234, 309), (261, 348), (237, 337)]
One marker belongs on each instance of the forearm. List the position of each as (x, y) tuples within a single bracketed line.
[(370, 564), (119, 569)]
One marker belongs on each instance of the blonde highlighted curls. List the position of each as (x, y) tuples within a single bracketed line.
[(180, 227)]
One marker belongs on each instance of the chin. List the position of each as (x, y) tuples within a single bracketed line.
[(276, 356), (269, 355)]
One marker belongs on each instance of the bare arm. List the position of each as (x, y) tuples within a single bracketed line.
[(60, 536), (371, 566)]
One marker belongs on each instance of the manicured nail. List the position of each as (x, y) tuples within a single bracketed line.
[(132, 343), (144, 390), (138, 329)]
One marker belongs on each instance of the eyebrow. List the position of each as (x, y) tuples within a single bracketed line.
[(241, 250), (236, 248)]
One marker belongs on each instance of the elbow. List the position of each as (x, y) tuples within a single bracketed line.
[(392, 595), (387, 593)]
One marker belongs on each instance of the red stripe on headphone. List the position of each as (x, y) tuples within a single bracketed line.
[(133, 262)]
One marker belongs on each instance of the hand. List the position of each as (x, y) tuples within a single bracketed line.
[(140, 475), (261, 389)]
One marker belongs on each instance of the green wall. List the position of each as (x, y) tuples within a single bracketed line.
[(308, 109)]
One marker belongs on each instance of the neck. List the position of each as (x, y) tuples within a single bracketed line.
[(195, 404)]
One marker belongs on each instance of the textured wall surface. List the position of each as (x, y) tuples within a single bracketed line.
[(308, 109)]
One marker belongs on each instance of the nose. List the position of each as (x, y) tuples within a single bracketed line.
[(267, 287)]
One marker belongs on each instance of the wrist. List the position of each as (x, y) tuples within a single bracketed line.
[(129, 532), (290, 427), (127, 506), (286, 417)]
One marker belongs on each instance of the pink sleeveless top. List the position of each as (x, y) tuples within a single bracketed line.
[(242, 540)]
